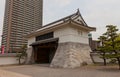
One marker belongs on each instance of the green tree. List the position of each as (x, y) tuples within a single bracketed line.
[(102, 49), (111, 44), (118, 42), (22, 55)]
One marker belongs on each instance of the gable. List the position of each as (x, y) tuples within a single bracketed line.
[(80, 21)]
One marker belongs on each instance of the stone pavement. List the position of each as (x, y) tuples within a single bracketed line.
[(4, 73), (45, 71)]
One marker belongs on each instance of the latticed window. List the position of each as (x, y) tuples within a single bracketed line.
[(45, 36)]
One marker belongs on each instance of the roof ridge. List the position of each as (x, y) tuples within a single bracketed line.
[(82, 17), (69, 16)]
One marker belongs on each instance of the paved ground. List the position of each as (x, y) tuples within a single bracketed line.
[(45, 71), (4, 73)]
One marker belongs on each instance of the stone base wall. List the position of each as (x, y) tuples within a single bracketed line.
[(29, 55), (71, 55)]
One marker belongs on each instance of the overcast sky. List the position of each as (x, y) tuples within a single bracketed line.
[(96, 13)]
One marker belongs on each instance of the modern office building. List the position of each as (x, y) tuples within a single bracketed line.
[(21, 17)]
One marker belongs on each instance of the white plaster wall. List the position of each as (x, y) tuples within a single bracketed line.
[(8, 60), (69, 34), (31, 40), (29, 49)]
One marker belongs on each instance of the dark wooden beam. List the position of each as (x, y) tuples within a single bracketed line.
[(46, 46)]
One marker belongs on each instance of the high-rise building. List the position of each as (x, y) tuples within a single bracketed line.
[(21, 17)]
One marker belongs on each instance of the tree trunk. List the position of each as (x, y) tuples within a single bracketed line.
[(118, 62), (20, 60), (105, 62), (104, 59)]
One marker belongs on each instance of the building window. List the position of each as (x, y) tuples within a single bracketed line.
[(45, 36)]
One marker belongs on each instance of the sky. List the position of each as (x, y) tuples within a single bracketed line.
[(96, 13)]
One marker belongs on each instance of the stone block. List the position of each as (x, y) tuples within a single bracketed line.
[(71, 55)]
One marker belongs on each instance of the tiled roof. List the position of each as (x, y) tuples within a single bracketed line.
[(74, 18)]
